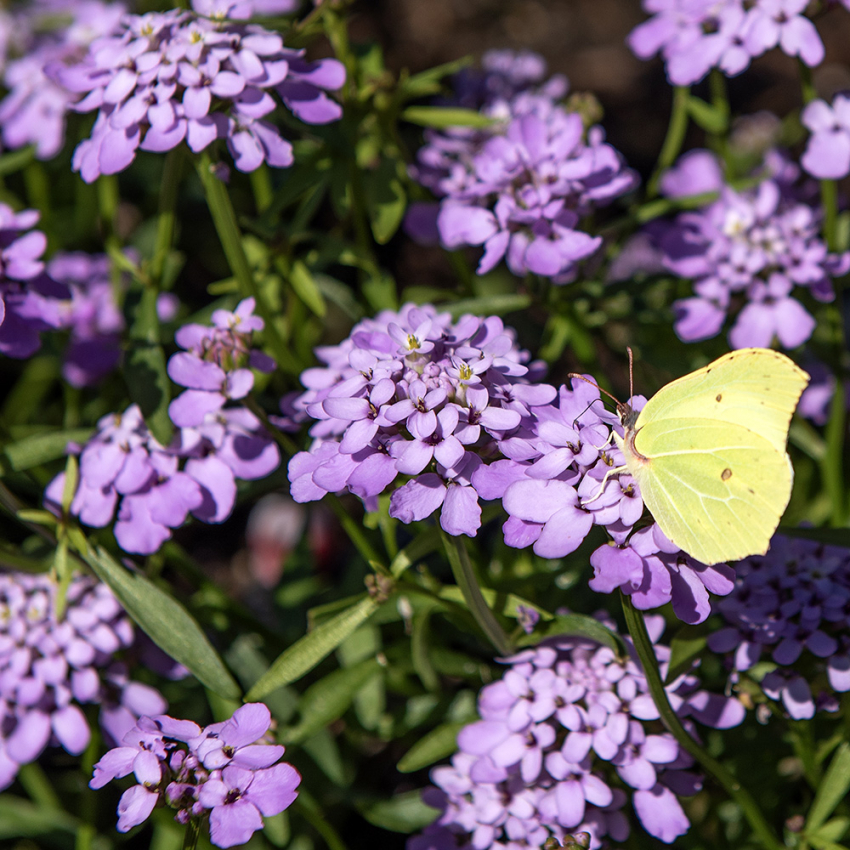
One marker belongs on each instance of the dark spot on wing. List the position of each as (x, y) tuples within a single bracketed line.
[(750, 490), (719, 397), (726, 474)]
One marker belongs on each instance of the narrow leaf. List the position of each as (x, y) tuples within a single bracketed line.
[(168, 624), (441, 117), (832, 789), (386, 199), (403, 813), (315, 646), (428, 82), (575, 625), (438, 744), (832, 830), (426, 543), (685, 647), (306, 289), (710, 118), (19, 818), (41, 448), (490, 305), (329, 699)]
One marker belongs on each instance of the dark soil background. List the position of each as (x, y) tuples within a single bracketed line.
[(585, 39)]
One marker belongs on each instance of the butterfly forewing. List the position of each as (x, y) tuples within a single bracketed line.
[(716, 489), (754, 387)]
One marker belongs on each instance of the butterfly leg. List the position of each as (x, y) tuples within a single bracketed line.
[(615, 471)]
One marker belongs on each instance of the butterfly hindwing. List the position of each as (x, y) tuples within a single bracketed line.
[(716, 489)]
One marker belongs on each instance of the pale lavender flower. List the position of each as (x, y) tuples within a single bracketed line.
[(412, 393), (827, 154), (30, 300), (789, 608), (760, 246), (520, 187), (49, 667), (694, 36), (171, 761), (567, 717), (165, 78), (49, 35)]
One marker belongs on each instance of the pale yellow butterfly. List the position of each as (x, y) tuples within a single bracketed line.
[(708, 453)]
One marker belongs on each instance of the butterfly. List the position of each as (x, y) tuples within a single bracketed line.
[(708, 453)]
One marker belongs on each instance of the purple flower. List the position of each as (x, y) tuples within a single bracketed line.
[(412, 393), (48, 35), (789, 606), (694, 37), (554, 730), (756, 246), (163, 78), (49, 667), (827, 154), (520, 187), (172, 761), (30, 300)]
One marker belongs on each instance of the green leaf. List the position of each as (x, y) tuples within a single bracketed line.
[(830, 536), (168, 624), (329, 699), (306, 289), (386, 199), (429, 82), (685, 647), (40, 448), (315, 646), (832, 830), (438, 744), (144, 369), (576, 625), (831, 791), (403, 813), (712, 119), (425, 543), (16, 160), (19, 818), (380, 292), (443, 116), (488, 305)]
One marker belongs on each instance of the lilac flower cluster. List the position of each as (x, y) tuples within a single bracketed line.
[(453, 406), (746, 252), (694, 36), (225, 771), (49, 666), (408, 391), (123, 466), (827, 154), (520, 186), (49, 34), (198, 76), (91, 314), (793, 606), (29, 298), (567, 716)]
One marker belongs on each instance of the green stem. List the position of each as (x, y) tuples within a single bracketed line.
[(468, 584), (230, 235), (354, 530), (307, 806), (829, 202), (646, 655), (832, 465), (720, 101), (38, 786), (190, 837), (262, 187), (674, 139), (167, 208)]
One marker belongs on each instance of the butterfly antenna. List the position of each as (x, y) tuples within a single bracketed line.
[(631, 376), (594, 384)]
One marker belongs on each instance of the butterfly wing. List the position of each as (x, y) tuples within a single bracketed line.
[(716, 489), (754, 387)]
